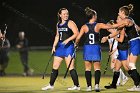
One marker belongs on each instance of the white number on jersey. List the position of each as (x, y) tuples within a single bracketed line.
[(60, 35), (91, 38)]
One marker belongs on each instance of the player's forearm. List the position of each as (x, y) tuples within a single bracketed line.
[(77, 41), (114, 50), (119, 39), (112, 35), (72, 37), (56, 40)]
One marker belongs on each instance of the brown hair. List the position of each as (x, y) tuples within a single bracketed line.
[(90, 13), (127, 9), (59, 12)]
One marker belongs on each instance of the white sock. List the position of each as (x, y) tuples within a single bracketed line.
[(119, 79), (123, 76)]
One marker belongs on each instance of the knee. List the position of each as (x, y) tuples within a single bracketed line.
[(126, 68), (97, 69), (87, 68), (117, 69), (55, 66), (132, 66), (71, 66)]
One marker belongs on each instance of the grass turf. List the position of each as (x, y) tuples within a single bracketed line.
[(38, 61), (34, 84)]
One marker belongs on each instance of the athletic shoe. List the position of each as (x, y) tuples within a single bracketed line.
[(48, 87), (96, 88), (89, 88), (110, 87), (118, 84), (25, 74), (2, 73), (124, 81), (74, 88), (30, 72), (134, 88)]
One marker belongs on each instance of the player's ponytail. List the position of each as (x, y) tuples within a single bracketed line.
[(127, 9), (130, 7), (90, 13)]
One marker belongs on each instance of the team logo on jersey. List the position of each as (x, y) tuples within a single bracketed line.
[(62, 29)]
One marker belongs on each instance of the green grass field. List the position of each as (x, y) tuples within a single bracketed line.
[(39, 59), (14, 82), (34, 84)]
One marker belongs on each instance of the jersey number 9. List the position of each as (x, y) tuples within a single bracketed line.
[(91, 38)]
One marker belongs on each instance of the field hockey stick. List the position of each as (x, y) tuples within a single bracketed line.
[(47, 65), (109, 57), (70, 62), (4, 35)]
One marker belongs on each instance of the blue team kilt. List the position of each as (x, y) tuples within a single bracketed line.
[(123, 55), (64, 50), (134, 47), (92, 53)]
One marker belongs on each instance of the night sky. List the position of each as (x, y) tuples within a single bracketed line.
[(38, 18)]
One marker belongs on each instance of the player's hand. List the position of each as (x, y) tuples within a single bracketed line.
[(104, 39), (18, 46), (1, 37), (110, 53), (0, 33), (53, 49), (76, 46), (65, 42)]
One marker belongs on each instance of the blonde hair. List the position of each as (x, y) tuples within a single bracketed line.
[(127, 9)]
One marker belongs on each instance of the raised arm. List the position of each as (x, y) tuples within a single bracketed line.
[(75, 31), (113, 34), (82, 31), (121, 24)]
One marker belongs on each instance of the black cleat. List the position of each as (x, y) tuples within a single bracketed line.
[(97, 90), (111, 87)]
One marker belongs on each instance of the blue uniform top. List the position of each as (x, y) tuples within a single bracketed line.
[(63, 50), (92, 37), (64, 31)]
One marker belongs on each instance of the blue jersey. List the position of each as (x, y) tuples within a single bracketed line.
[(92, 49), (64, 31), (92, 37)]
